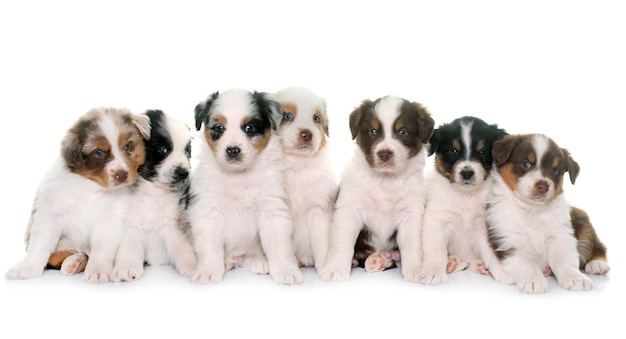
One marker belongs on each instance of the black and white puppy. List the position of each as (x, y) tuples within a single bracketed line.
[(380, 205), (153, 234), (237, 212), (532, 228), (454, 234)]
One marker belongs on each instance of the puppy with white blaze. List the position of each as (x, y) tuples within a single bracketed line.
[(454, 235), (380, 205), (80, 205), (310, 179), (153, 232), (532, 228), (237, 206)]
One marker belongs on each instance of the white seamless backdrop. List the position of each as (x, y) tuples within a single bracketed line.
[(552, 67)]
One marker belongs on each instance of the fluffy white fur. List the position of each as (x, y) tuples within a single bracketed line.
[(310, 179), (73, 213), (383, 199), (239, 214), (152, 230)]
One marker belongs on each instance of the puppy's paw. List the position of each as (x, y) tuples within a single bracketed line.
[(575, 281), (455, 264), (95, 277), (431, 275), (597, 267), (377, 262), (534, 286), (74, 264), (256, 264), (334, 274), (285, 277), (24, 271), (127, 273), (478, 267), (186, 269), (206, 277)]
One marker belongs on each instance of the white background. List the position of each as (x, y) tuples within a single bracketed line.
[(556, 68)]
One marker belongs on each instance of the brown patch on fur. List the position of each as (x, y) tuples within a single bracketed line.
[(362, 120), (259, 142), (209, 134), (57, 258), (510, 178), (289, 107), (323, 126), (480, 145), (442, 167), (589, 245), (94, 168), (363, 248), (456, 144), (135, 155)]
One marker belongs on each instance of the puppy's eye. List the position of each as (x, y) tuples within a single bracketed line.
[(217, 128), (453, 151), (555, 171), (316, 118), (288, 116), (128, 147), (526, 165), (372, 132), (402, 133), (99, 153), (249, 129), (164, 150)]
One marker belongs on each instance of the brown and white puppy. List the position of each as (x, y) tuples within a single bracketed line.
[(380, 205), (454, 235), (237, 207), (530, 222), (310, 180), (80, 205)]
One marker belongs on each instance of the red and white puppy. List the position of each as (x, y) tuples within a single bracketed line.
[(153, 233), (380, 205), (237, 212), (529, 220), (454, 235), (310, 179), (81, 202)]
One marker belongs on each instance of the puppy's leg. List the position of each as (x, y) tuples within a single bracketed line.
[(526, 273), (344, 230), (208, 242), (410, 244), (435, 251), (43, 240), (456, 264), (105, 241), (255, 263), (130, 257), (564, 261), (319, 233), (74, 263), (180, 251), (275, 232)]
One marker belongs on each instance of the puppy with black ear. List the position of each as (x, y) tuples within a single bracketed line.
[(237, 207), (379, 209), (454, 234), (309, 177), (532, 228)]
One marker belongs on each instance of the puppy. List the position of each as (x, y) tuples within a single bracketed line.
[(237, 206), (529, 220), (152, 233), (454, 235), (310, 179), (380, 205), (82, 200)]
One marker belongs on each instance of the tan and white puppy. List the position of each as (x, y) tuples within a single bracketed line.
[(237, 207), (310, 180), (529, 220), (80, 205), (380, 205)]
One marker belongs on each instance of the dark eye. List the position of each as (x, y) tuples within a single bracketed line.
[(372, 132), (402, 133), (249, 129), (453, 151), (555, 171), (217, 128), (287, 116), (164, 150), (98, 153), (316, 118), (526, 165), (129, 146)]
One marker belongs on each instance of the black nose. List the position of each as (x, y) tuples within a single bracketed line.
[(467, 174), (233, 152), (180, 174)]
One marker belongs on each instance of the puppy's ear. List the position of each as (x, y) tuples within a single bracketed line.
[(425, 122), (142, 122), (326, 121), (356, 117), (202, 110), (572, 166), (502, 149), (269, 107), (72, 149), (499, 132), (433, 143)]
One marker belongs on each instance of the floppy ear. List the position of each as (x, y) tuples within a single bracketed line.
[(202, 110), (502, 149), (433, 143), (572, 166), (269, 107), (356, 117), (499, 132), (326, 121), (72, 149), (425, 122), (142, 122)]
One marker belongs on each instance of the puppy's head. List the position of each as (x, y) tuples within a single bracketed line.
[(238, 125), (106, 146), (304, 128), (168, 152), (462, 150), (533, 166), (390, 131)]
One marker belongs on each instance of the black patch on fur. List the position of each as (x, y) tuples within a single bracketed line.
[(363, 247), (202, 110), (269, 109), (159, 139)]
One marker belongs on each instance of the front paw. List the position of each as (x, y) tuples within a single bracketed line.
[(433, 276), (95, 277), (24, 271), (575, 281), (534, 286), (292, 277), (334, 274), (127, 273), (206, 277)]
